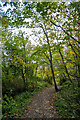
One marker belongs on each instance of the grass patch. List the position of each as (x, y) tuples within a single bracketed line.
[(66, 102)]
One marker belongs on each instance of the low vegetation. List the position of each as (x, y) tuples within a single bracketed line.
[(66, 101), (14, 107)]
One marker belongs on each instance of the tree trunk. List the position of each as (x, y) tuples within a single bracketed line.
[(50, 59), (36, 70), (23, 77), (65, 66), (25, 62), (51, 65)]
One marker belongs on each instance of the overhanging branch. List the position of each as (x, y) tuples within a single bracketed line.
[(64, 31), (46, 56)]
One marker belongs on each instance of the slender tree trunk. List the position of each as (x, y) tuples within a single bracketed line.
[(52, 70), (65, 66), (23, 77), (50, 59), (51, 65), (25, 62), (36, 70)]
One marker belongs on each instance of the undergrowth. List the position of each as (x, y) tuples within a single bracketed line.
[(66, 101), (15, 107)]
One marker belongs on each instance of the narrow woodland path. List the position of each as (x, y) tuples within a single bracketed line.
[(41, 105)]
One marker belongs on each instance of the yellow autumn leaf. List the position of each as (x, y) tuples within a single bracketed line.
[(71, 52)]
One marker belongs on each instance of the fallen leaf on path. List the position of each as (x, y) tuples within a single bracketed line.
[(35, 104), (37, 110), (51, 103), (28, 108), (50, 107), (47, 101), (25, 110), (53, 96)]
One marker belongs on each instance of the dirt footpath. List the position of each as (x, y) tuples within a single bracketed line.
[(41, 105)]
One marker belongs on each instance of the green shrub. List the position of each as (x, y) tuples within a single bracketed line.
[(66, 102)]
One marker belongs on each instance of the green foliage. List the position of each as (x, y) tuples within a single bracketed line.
[(66, 102), (15, 107), (26, 66)]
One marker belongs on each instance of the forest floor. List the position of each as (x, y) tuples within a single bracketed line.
[(41, 105), (44, 103)]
